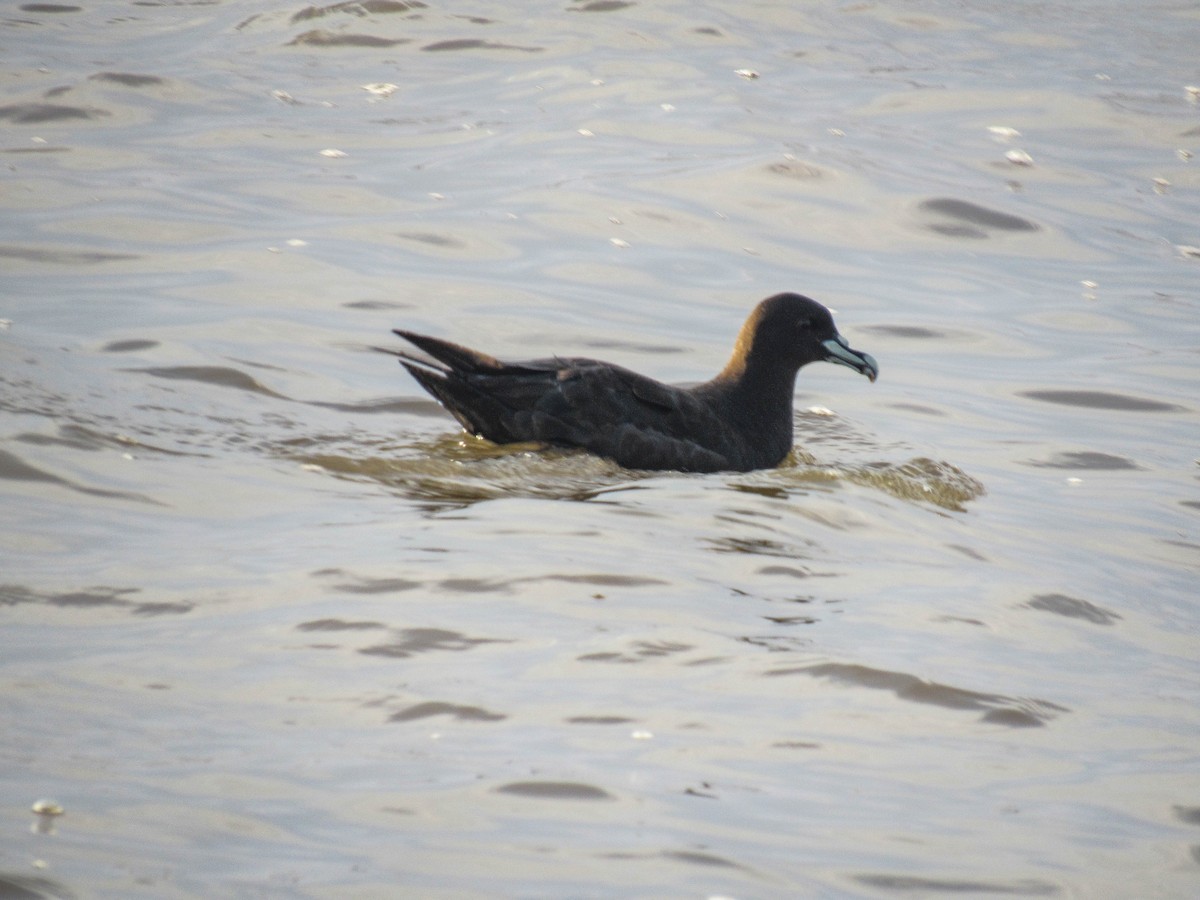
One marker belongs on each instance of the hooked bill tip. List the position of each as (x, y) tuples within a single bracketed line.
[(870, 367)]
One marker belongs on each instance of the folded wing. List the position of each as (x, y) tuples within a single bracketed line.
[(608, 410)]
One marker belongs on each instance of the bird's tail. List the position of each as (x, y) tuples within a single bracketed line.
[(456, 357), (487, 396)]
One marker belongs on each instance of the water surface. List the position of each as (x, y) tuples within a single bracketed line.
[(273, 627)]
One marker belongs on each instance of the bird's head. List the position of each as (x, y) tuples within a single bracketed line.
[(794, 330)]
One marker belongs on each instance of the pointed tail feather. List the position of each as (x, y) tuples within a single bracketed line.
[(477, 412), (488, 397), (456, 356)]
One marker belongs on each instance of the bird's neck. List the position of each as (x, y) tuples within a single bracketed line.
[(754, 393), (754, 375)]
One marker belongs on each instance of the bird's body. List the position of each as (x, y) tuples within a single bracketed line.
[(739, 420)]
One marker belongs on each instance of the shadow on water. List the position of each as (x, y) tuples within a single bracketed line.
[(459, 470), (997, 709), (452, 470), (921, 479), (455, 471), (27, 887)]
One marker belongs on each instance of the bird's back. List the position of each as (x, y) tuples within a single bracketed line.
[(606, 409)]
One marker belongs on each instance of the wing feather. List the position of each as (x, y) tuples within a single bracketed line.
[(636, 421)]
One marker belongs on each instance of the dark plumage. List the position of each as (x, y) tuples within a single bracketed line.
[(740, 420)]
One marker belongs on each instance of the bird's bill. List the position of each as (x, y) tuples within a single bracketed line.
[(841, 353)]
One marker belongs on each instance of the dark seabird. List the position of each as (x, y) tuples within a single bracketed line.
[(738, 421)]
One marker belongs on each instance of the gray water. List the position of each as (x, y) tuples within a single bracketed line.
[(272, 626)]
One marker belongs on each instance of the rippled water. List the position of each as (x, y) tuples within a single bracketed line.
[(273, 627)]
